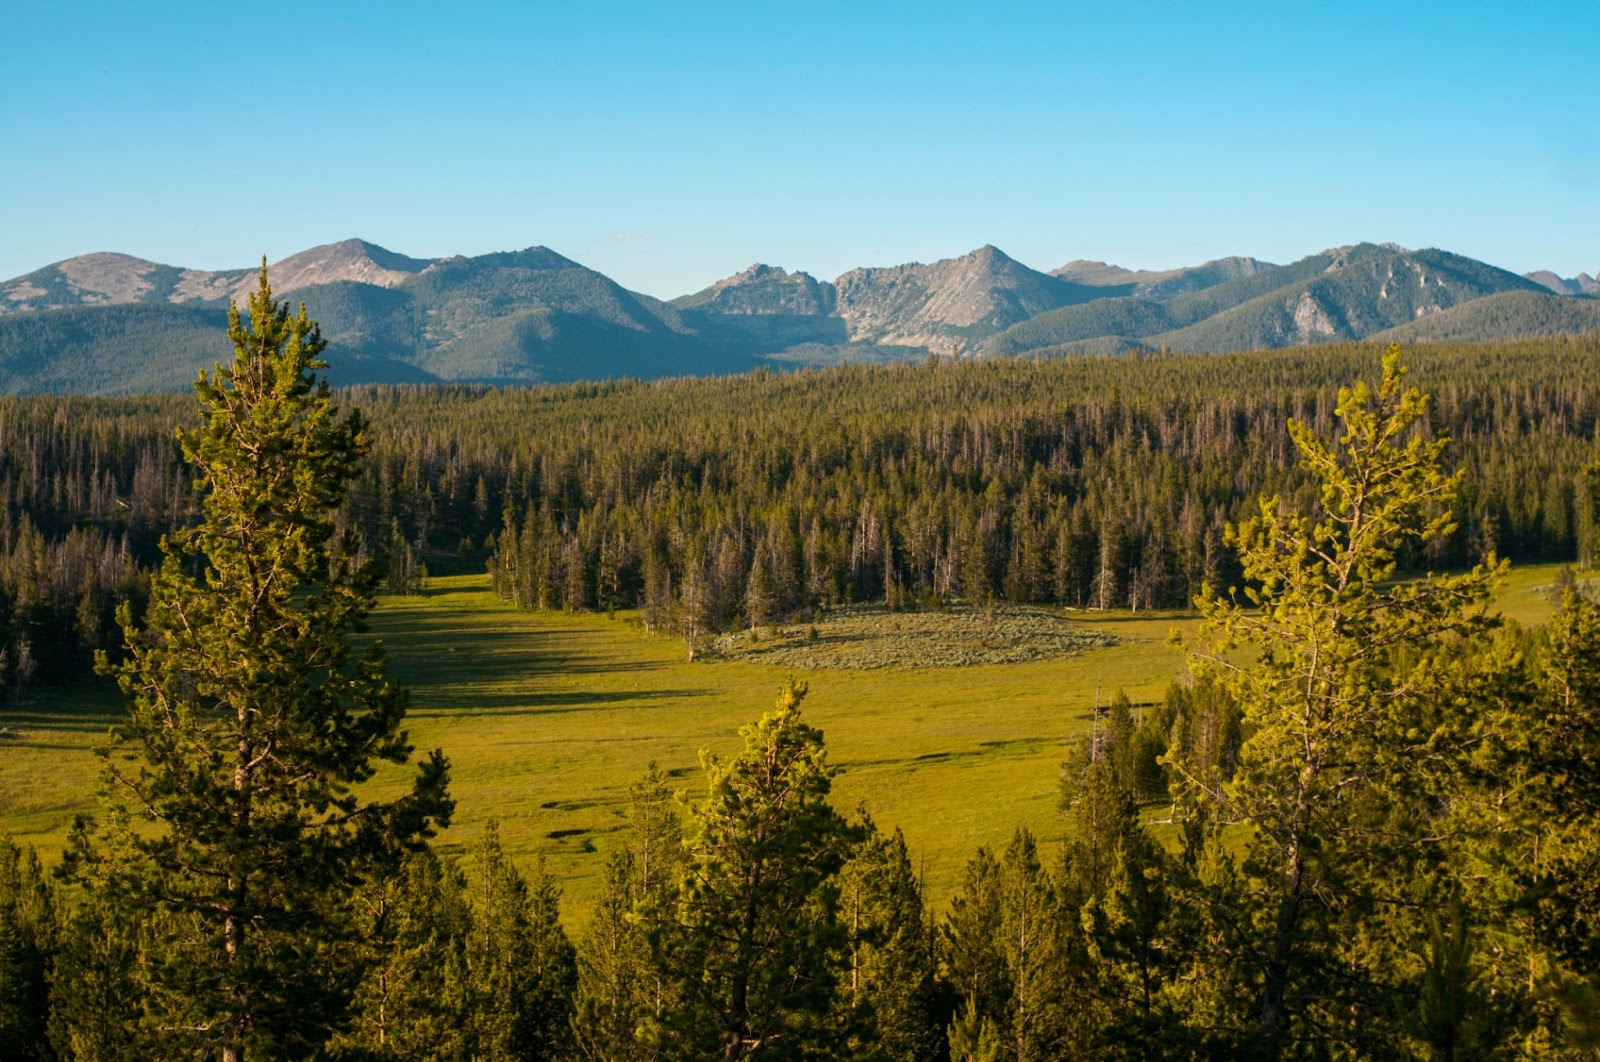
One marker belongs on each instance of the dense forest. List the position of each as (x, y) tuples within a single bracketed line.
[(1362, 828), (708, 503)]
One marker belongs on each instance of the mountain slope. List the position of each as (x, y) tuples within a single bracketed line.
[(1159, 284), (1343, 293), (763, 290), (765, 310), (1363, 290), (350, 261), (536, 315), (110, 322), (1582, 284), (1507, 315), (951, 302), (132, 348), (518, 316), (102, 279), (107, 279), (1105, 322)]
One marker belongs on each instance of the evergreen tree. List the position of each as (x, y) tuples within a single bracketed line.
[(885, 1003), (1009, 961), (28, 934), (1338, 774), (1552, 850), (234, 821), (97, 998), (624, 994), (413, 1002), (755, 937), (1031, 948), (614, 971), (974, 967), (522, 967)]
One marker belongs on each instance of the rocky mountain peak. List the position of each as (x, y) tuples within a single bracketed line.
[(1090, 271), (763, 289), (354, 260), (989, 256), (955, 299)]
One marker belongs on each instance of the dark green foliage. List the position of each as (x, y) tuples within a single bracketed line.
[(974, 967), (1347, 766), (886, 1006), (613, 1000), (233, 822), (415, 999), (1124, 318), (460, 961), (626, 993), (1013, 962), (521, 966), (1380, 839), (28, 933), (120, 350), (98, 996), (1568, 792), (1103, 482), (754, 935), (108, 349)]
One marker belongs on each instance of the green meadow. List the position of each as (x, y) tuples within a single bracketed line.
[(547, 718)]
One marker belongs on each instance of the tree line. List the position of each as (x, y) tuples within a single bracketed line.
[(707, 503)]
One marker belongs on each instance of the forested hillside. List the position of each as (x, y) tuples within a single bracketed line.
[(708, 503)]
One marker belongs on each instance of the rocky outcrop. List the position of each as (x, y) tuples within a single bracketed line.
[(763, 290), (937, 306)]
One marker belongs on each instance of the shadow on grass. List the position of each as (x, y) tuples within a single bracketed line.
[(22, 742), (1122, 618), (81, 721), (422, 653), (467, 705), (987, 751)]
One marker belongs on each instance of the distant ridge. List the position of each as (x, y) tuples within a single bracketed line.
[(1508, 315), (1158, 284), (1341, 294), (107, 278), (109, 322), (1582, 284)]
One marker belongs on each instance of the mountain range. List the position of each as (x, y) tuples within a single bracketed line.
[(107, 323)]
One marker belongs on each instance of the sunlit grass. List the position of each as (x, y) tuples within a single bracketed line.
[(547, 718)]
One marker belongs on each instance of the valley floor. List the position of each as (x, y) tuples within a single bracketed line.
[(547, 718)]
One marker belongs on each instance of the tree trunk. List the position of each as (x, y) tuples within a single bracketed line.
[(1275, 981)]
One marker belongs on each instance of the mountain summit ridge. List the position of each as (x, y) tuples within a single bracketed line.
[(534, 315)]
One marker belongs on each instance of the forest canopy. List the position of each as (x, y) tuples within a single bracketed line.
[(706, 503)]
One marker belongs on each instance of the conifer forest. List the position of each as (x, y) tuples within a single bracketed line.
[(1363, 824)]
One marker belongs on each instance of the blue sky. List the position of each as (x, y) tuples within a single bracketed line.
[(668, 145)]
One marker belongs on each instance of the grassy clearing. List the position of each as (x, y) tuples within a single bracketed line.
[(549, 717), (866, 637)]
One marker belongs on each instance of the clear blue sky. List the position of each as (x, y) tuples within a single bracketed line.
[(670, 144)]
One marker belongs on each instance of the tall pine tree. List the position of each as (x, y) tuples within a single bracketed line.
[(1341, 770), (234, 821)]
